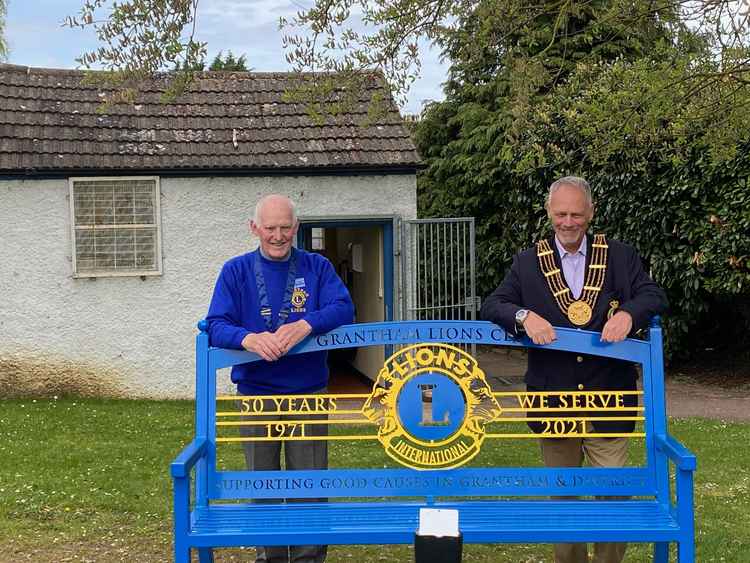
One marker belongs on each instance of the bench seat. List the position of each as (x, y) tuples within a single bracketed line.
[(513, 521)]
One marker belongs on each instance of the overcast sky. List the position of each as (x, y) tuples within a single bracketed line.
[(36, 38)]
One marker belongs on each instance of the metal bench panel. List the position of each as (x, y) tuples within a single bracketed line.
[(495, 481), (515, 513)]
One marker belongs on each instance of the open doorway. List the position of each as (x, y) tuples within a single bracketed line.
[(361, 250)]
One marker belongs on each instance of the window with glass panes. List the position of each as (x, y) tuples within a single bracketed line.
[(318, 238), (115, 226)]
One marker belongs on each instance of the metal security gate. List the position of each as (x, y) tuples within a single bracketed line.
[(438, 269)]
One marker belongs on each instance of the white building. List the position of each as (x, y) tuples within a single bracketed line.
[(115, 225)]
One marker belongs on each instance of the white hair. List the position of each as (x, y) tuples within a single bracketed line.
[(265, 199), (573, 181)]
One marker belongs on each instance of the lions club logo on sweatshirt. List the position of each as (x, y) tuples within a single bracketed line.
[(299, 296)]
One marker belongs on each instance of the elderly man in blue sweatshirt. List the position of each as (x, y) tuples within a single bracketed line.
[(266, 302)]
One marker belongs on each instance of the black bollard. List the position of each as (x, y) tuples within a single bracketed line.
[(436, 549), (438, 539)]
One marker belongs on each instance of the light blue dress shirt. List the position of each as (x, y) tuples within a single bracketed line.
[(574, 266)]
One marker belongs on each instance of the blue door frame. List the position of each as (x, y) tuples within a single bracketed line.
[(386, 223)]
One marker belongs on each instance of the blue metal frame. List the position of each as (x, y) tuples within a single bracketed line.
[(649, 482)]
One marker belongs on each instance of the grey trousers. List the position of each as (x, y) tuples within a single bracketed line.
[(266, 456)]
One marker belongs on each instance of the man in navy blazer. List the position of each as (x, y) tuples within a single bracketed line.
[(578, 280)]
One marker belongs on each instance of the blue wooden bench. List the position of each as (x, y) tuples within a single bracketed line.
[(438, 464)]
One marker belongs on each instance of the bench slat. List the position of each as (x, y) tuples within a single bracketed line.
[(396, 522)]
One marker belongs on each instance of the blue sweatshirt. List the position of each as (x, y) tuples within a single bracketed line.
[(320, 298)]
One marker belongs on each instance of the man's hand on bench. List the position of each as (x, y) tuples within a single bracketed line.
[(265, 344), (290, 334), (539, 329), (272, 345), (618, 327)]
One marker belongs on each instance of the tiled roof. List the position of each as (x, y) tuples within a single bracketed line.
[(49, 124)]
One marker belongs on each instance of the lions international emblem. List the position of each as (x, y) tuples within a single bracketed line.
[(299, 298), (431, 403)]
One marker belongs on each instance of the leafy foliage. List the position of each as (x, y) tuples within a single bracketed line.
[(633, 120), (358, 40), (377, 41), (541, 39), (140, 38)]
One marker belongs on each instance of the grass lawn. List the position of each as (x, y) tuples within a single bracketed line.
[(88, 480)]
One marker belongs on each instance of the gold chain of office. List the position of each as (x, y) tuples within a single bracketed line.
[(579, 310)]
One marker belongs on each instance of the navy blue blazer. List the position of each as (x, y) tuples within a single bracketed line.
[(525, 287)]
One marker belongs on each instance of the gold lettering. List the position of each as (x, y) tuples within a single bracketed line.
[(279, 403), (305, 406), (402, 370), (400, 447), (425, 356), (544, 401), (525, 401), (420, 456), (257, 405), (444, 359), (245, 405), (564, 401), (620, 399), (332, 404), (410, 361), (590, 402), (463, 364)]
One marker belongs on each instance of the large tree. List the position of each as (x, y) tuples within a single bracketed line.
[(646, 118)]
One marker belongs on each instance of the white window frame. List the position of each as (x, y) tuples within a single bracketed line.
[(157, 220), (317, 238)]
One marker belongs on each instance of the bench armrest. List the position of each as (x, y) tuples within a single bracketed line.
[(683, 458), (188, 457)]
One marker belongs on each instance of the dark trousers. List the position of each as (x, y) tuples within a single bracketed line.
[(303, 454)]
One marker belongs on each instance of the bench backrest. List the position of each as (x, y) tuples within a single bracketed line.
[(648, 479)]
